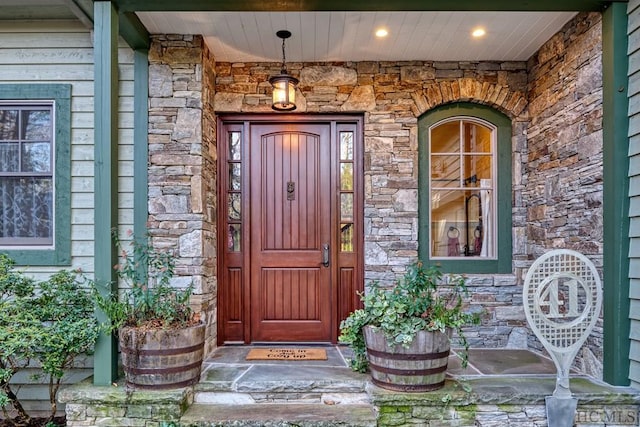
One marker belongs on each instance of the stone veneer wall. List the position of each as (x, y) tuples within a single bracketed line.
[(209, 184), (505, 401), (182, 174), (393, 95), (563, 172)]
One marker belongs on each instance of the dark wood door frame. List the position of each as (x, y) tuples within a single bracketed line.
[(234, 262)]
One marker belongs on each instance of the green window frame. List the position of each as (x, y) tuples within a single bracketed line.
[(59, 95), (502, 261)]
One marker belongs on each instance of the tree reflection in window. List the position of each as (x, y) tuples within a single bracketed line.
[(26, 175), (346, 192), (234, 191)]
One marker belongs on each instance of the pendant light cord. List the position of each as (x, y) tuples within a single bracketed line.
[(284, 67)]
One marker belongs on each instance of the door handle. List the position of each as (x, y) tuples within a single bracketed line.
[(325, 255)]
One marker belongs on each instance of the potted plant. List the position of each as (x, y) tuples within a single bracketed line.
[(402, 334), (161, 339)]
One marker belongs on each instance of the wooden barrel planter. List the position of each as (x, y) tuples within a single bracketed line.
[(420, 367), (162, 358)]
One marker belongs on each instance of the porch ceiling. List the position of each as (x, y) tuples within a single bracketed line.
[(350, 36)]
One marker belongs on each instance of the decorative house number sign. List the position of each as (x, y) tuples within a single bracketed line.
[(562, 298)]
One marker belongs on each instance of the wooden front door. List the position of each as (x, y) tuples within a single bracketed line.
[(291, 264), (290, 233)]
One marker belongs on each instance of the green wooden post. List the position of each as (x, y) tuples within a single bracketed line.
[(615, 124), (106, 173)]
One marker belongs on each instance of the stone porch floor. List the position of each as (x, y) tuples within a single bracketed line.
[(227, 367)]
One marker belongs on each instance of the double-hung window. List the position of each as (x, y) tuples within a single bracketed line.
[(465, 182), (35, 173), (26, 174)]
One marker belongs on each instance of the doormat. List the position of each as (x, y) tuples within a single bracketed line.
[(287, 354)]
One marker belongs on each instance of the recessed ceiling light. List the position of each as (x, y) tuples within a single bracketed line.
[(382, 32), (478, 32)]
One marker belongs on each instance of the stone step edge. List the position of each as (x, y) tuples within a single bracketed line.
[(235, 398), (303, 386), (279, 414)]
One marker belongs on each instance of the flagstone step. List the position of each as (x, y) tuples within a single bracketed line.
[(231, 398), (271, 379), (235, 392), (279, 415)]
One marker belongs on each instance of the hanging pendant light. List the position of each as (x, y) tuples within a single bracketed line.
[(284, 84)]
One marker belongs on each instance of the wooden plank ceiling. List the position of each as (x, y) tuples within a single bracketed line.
[(350, 36)]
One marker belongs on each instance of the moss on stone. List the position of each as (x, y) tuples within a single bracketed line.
[(395, 419), (510, 408), (167, 412)]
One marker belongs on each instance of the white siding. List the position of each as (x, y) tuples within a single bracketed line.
[(62, 52), (634, 187)]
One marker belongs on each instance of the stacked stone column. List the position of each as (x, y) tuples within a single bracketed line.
[(182, 174)]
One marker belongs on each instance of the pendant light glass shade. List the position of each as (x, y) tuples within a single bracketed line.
[(284, 92), (284, 84)]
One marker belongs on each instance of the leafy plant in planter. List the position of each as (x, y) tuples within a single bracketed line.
[(419, 302), (161, 338)]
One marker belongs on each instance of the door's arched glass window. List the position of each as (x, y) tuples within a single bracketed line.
[(462, 172)]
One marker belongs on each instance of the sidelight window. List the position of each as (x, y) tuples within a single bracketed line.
[(346, 192), (234, 192)]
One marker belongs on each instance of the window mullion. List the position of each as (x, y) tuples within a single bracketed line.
[(461, 153), (19, 124)]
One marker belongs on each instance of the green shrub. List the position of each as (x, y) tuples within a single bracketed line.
[(20, 331), (49, 323)]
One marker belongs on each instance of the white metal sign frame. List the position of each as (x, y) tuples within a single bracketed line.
[(562, 299)]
